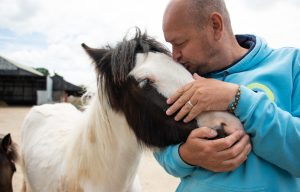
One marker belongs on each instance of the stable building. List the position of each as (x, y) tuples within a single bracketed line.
[(23, 85), (63, 89), (18, 83)]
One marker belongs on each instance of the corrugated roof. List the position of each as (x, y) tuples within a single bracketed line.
[(20, 66), (59, 84)]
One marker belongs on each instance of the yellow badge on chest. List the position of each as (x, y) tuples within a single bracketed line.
[(264, 88)]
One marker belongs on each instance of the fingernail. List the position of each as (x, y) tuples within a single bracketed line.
[(241, 132), (249, 148), (185, 120), (176, 118), (168, 112), (168, 101), (213, 132), (195, 75)]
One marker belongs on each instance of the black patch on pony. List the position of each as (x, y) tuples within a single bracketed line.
[(148, 119), (143, 107)]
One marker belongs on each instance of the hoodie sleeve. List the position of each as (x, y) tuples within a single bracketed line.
[(275, 133), (170, 160)]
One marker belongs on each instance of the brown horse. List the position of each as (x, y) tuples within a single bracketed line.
[(8, 156)]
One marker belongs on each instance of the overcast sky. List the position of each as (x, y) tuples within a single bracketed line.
[(48, 33)]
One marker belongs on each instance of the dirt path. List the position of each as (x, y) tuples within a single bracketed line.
[(152, 176)]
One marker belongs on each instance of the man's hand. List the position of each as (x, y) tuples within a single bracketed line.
[(220, 155), (201, 95)]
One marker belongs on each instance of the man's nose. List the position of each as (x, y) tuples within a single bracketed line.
[(176, 54)]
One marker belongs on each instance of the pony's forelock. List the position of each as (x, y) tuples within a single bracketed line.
[(123, 57)]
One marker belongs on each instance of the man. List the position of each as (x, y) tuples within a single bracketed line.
[(258, 84)]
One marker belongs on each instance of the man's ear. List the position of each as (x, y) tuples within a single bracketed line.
[(6, 142), (217, 24), (95, 54)]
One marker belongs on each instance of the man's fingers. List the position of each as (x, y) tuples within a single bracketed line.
[(178, 93), (175, 96), (227, 142), (181, 102), (183, 111), (203, 133), (236, 150), (196, 76), (238, 160), (195, 111), (192, 114), (187, 107)]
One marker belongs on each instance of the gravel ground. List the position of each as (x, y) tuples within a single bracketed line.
[(152, 176)]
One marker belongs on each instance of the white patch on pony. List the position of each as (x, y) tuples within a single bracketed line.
[(162, 71), (44, 144), (67, 150)]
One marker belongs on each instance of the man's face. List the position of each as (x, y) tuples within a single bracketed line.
[(191, 46)]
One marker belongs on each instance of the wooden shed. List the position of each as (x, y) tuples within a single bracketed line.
[(19, 83), (24, 85), (63, 89)]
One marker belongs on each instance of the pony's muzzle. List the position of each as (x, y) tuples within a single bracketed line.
[(220, 130)]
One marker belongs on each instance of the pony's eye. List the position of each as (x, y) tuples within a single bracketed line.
[(143, 83)]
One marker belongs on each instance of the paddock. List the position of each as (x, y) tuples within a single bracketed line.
[(152, 176)]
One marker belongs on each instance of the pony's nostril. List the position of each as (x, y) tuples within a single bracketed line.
[(220, 130)]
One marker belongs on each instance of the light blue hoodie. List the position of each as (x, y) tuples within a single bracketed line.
[(269, 109)]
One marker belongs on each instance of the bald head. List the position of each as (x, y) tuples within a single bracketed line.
[(198, 11), (200, 34)]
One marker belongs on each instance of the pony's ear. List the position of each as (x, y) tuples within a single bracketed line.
[(95, 54), (6, 142)]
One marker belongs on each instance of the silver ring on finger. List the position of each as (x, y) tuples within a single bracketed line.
[(190, 104)]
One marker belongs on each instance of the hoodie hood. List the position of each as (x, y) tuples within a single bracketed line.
[(258, 50)]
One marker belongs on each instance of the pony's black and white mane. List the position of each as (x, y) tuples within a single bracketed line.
[(143, 106)]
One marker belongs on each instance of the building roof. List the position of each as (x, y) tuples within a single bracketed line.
[(59, 84), (9, 67)]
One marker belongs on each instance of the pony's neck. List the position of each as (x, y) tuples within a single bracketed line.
[(105, 151)]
